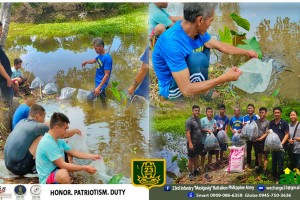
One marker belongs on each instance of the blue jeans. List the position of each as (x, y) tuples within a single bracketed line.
[(277, 160), (198, 63), (143, 89), (102, 96), (7, 94)]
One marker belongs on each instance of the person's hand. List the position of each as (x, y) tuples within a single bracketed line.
[(239, 131), (97, 92), (233, 74), (84, 63), (9, 83), (95, 157), (191, 147), (90, 169), (19, 79), (77, 131), (131, 90), (291, 141), (258, 139), (252, 54)]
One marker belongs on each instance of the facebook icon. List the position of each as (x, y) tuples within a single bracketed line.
[(168, 188), (191, 195)]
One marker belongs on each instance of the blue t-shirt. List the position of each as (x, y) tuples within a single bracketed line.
[(222, 121), (16, 73), (48, 151), (22, 112), (104, 62), (170, 53), (145, 57), (157, 16), (236, 123), (247, 119)]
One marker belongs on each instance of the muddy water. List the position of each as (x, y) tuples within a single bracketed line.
[(276, 27), (119, 133)]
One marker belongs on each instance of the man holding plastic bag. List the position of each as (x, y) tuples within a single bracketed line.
[(281, 128), (262, 124), (250, 117)]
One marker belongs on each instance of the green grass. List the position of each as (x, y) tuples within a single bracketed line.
[(129, 23)]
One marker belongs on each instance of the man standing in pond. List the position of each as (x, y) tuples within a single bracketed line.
[(181, 55), (194, 146), (6, 84), (103, 71)]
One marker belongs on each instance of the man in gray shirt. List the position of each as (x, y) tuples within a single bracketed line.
[(194, 145), (21, 144), (262, 124)]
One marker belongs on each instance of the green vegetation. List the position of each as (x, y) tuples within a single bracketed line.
[(134, 22)]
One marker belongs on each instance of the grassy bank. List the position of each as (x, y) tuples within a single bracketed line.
[(134, 22)]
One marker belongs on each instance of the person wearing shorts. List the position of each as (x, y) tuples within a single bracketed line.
[(262, 124), (208, 126), (194, 145)]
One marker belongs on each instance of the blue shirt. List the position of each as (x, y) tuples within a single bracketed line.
[(22, 112), (16, 73), (104, 62), (157, 16), (145, 57), (170, 53), (247, 119), (236, 123), (48, 151), (222, 121)]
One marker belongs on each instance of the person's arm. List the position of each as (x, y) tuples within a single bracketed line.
[(6, 76), (97, 90), (189, 139), (286, 137), (175, 18), (82, 155), (229, 49), (70, 133), (188, 89), (139, 78), (70, 167), (88, 62)]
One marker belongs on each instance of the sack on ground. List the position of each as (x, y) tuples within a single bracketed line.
[(36, 83), (78, 142), (236, 159), (67, 92), (250, 132), (237, 140), (50, 88), (256, 76), (82, 95), (211, 143), (222, 137), (272, 142)]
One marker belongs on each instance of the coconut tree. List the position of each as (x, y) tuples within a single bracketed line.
[(5, 13)]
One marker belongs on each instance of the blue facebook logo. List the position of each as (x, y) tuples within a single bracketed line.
[(168, 188), (191, 195)]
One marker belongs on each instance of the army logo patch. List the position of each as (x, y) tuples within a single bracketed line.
[(148, 172)]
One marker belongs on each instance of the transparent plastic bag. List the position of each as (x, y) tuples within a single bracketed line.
[(222, 137), (250, 132), (78, 142), (82, 95), (36, 83), (67, 92), (237, 140), (272, 142), (50, 88), (211, 143), (255, 77)]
